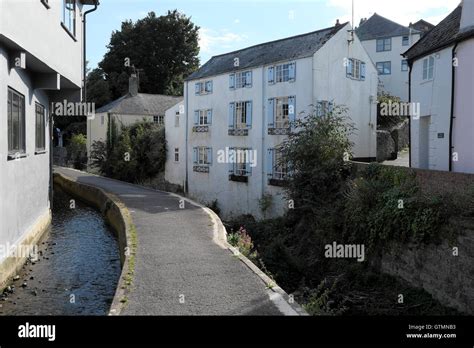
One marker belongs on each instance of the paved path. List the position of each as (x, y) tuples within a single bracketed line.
[(176, 256)]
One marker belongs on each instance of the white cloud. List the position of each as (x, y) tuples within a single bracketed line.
[(236, 21), (402, 12), (214, 42)]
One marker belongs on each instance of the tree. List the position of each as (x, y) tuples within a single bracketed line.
[(98, 89), (317, 154), (164, 49)]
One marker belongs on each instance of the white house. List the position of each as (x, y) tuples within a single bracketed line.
[(130, 108), (175, 134), (243, 103), (386, 41), (41, 61), (442, 82)]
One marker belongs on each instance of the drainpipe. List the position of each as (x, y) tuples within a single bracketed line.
[(185, 188), (410, 68), (451, 122), (264, 118), (84, 32)]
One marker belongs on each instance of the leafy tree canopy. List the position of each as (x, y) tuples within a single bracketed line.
[(163, 49)]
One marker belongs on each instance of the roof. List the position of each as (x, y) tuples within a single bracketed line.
[(377, 27), (446, 33), (290, 48), (141, 104), (422, 26)]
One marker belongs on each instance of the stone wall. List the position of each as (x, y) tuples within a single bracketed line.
[(434, 268)]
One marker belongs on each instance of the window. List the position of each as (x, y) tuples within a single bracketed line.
[(176, 119), (202, 88), (281, 113), (282, 73), (102, 120), (277, 168), (202, 155), (40, 128), (405, 41), (160, 119), (69, 16), (240, 115), (384, 45), (202, 117), (241, 165), (355, 69), (404, 65), (240, 80), (324, 107), (384, 68), (176, 154), (428, 68), (16, 122)]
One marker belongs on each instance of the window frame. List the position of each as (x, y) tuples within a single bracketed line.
[(282, 110), (42, 126), (205, 159), (242, 123), (176, 154), (66, 15), (21, 123), (280, 171), (404, 65), (383, 67), (428, 68), (407, 41), (384, 46)]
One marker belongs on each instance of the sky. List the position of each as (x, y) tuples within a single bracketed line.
[(229, 25)]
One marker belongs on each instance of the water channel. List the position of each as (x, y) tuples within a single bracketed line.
[(77, 268)]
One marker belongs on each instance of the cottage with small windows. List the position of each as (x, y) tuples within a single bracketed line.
[(41, 62), (130, 108), (239, 107), (442, 83)]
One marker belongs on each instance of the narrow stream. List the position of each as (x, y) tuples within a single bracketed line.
[(77, 270)]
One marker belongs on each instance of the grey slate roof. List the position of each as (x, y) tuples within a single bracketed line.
[(443, 35), (290, 48), (141, 104), (422, 26), (378, 27)]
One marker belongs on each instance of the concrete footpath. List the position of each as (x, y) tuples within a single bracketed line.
[(180, 268)]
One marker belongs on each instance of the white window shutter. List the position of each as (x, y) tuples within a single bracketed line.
[(362, 71), (271, 74), (292, 109), (349, 68), (292, 71), (249, 168), (248, 116), (231, 115), (195, 155), (196, 117), (209, 155), (209, 86), (197, 88), (232, 81), (209, 116), (271, 113), (270, 163)]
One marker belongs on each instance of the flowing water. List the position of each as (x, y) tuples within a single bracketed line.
[(77, 270)]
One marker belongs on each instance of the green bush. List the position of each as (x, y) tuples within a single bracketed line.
[(77, 151), (135, 154)]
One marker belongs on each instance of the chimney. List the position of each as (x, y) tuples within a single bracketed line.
[(337, 22), (133, 85), (362, 21), (467, 17)]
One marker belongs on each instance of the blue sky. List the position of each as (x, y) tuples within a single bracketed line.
[(228, 25)]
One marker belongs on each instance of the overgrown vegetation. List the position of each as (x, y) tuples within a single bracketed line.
[(135, 154), (379, 207), (77, 151)]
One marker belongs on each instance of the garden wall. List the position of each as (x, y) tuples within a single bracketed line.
[(449, 278)]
